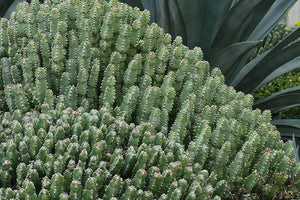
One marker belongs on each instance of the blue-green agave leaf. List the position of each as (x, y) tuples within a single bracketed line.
[(4, 6), (287, 67), (264, 68), (282, 100), (252, 25), (293, 36), (288, 127), (272, 17), (229, 56), (168, 15), (234, 27), (243, 71), (202, 20)]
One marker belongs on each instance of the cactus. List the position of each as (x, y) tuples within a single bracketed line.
[(98, 104)]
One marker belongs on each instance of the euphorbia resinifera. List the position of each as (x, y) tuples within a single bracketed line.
[(97, 104)]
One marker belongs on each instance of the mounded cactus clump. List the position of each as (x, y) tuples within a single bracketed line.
[(97, 104)]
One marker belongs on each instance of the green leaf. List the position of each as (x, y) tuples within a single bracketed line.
[(235, 23), (282, 100), (176, 17), (226, 60), (273, 16), (266, 66), (153, 8), (294, 35), (288, 127), (203, 19), (233, 3), (250, 24), (4, 6), (168, 15), (245, 70), (287, 67)]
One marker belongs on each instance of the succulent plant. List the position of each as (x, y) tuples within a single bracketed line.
[(227, 32), (96, 103)]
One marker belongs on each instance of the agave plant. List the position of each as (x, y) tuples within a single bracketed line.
[(228, 31), (4, 6)]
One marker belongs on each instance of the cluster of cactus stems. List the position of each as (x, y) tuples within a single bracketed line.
[(97, 104), (275, 36)]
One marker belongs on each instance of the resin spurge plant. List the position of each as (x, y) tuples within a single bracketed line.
[(227, 32), (96, 103), (288, 128)]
